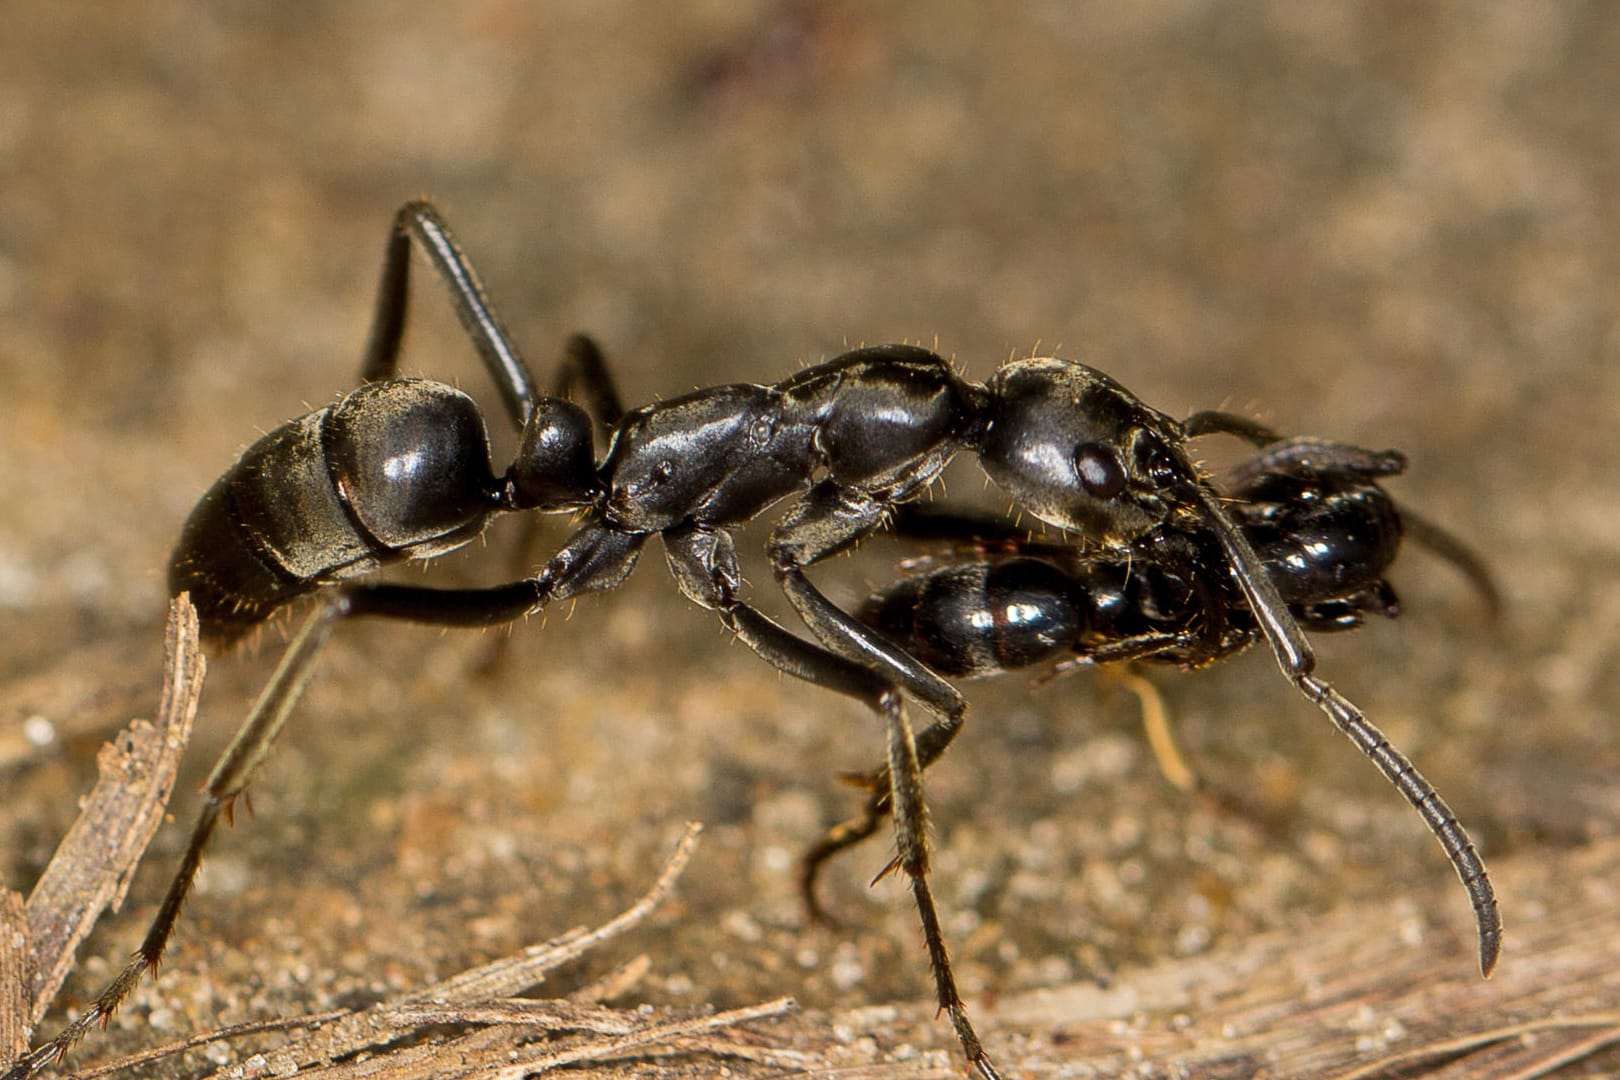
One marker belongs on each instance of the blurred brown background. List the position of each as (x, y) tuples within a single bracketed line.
[(1387, 224)]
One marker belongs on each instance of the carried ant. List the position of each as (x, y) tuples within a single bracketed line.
[(400, 469), (998, 601)]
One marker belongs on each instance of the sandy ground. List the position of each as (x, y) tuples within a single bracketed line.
[(1393, 226)]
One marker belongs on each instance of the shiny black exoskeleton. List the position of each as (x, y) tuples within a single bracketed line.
[(1322, 527), (1326, 535), (400, 469)]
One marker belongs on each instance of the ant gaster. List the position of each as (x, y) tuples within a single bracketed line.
[(399, 469)]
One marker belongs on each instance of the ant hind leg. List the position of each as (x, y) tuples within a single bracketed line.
[(420, 222)]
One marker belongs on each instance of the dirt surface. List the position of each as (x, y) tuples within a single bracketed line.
[(1391, 226)]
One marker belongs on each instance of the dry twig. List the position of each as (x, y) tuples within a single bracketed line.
[(14, 1003), (93, 866), (515, 1037)]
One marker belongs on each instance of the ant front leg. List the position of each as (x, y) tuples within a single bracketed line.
[(830, 519), (583, 366), (704, 564)]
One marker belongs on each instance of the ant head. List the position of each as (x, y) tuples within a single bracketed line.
[(1079, 451), (556, 460)]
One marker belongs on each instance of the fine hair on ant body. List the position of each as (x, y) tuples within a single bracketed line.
[(400, 469)]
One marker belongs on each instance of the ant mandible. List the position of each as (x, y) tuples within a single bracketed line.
[(400, 469)]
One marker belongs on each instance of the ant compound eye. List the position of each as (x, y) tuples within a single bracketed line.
[(1154, 459), (1101, 473), (1161, 468)]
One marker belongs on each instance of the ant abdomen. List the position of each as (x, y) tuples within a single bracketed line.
[(982, 618), (396, 470), (1323, 540)]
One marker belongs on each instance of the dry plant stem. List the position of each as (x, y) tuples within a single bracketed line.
[(578, 1050), (180, 1046), (615, 983), (526, 969), (1548, 1047), (1160, 733), (502, 1058), (474, 996), (553, 1015), (95, 862), (14, 1003), (501, 978)]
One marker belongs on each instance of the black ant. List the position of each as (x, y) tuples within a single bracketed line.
[(1324, 529), (400, 469), (999, 601)]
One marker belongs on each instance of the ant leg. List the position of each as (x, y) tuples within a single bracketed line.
[(1307, 457), (828, 520), (816, 665), (825, 521), (1299, 456), (584, 366), (1458, 554), (1155, 721), (846, 834), (595, 558), (420, 221), (704, 564), (581, 364), (231, 774)]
